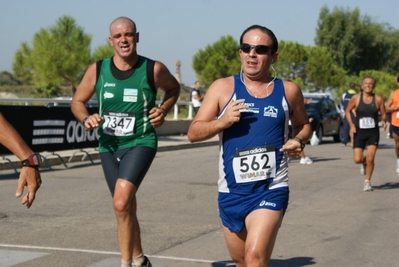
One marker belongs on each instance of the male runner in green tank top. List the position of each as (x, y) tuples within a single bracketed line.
[(126, 86)]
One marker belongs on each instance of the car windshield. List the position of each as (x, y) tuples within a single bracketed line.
[(311, 105)]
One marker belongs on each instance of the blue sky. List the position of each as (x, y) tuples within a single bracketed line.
[(175, 30)]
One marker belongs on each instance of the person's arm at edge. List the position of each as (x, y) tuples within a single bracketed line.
[(165, 81), (10, 138), (349, 111), (388, 105), (299, 120), (168, 83), (83, 93), (29, 176), (381, 108)]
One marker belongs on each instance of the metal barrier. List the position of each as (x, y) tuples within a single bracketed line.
[(48, 125)]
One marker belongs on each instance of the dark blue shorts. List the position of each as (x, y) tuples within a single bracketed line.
[(233, 208), (395, 129), (130, 164)]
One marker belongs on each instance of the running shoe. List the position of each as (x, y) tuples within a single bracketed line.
[(367, 186), (306, 160), (146, 263)]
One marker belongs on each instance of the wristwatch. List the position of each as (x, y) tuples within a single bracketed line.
[(33, 160), (84, 120), (300, 141)]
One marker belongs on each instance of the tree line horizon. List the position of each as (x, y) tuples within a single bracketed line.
[(348, 46)]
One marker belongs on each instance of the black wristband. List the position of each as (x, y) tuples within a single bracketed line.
[(84, 120), (163, 111), (300, 142), (33, 160)]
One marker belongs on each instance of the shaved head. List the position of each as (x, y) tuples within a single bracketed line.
[(122, 20)]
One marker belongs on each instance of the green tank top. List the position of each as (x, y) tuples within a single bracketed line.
[(125, 106)]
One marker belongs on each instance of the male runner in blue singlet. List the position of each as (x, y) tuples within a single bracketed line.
[(250, 112)]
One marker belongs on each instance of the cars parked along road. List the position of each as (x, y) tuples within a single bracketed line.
[(324, 116)]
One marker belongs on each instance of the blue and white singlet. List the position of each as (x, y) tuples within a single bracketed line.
[(249, 156)]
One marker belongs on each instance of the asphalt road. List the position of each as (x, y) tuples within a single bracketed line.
[(330, 220)]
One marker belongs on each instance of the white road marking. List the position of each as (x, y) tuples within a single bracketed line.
[(101, 252)]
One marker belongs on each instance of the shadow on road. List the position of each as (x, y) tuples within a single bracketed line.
[(314, 159), (385, 146), (293, 262), (387, 186)]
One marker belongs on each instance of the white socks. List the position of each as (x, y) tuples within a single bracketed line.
[(138, 259), (126, 263)]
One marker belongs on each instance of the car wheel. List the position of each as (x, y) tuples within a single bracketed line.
[(337, 137), (319, 133)]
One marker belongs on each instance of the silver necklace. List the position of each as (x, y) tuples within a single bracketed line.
[(249, 88)]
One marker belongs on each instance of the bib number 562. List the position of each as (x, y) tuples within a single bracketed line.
[(254, 165)]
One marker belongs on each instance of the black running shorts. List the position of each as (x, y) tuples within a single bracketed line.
[(130, 164), (364, 138)]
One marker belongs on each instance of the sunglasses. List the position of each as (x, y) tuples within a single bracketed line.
[(259, 49)]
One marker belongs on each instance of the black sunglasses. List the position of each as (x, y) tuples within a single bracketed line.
[(259, 49)]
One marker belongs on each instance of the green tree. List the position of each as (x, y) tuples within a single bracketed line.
[(220, 59), (339, 90), (321, 70), (6, 78), (21, 66), (59, 56), (357, 42), (292, 60), (103, 51), (312, 68)]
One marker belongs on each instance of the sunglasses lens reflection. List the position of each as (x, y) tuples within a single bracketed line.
[(259, 49)]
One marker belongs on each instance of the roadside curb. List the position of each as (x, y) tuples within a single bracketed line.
[(188, 145)]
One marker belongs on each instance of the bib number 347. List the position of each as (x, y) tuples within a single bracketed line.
[(118, 123)]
